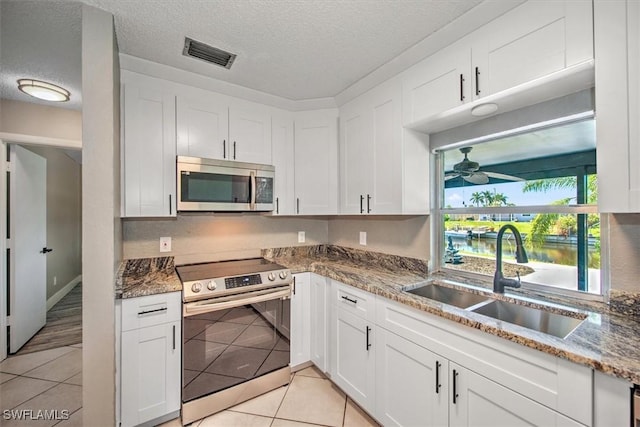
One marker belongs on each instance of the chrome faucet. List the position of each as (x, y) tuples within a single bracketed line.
[(499, 281)]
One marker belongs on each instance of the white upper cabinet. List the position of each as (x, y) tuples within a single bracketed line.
[(148, 148), (250, 133), (380, 164), (437, 84), (282, 158), (617, 43), (316, 162), (203, 126), (215, 126), (537, 44), (529, 42)]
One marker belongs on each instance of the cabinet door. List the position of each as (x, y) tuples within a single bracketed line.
[(150, 373), (318, 310), (316, 160), (249, 135), (149, 151), (383, 195), (354, 369), (283, 160), (633, 58), (356, 157), (437, 84), (300, 320), (203, 126), (478, 401), (531, 41), (411, 384)]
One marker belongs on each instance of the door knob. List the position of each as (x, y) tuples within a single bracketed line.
[(46, 250)]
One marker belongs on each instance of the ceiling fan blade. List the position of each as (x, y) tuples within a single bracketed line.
[(503, 176), (447, 177), (477, 178)]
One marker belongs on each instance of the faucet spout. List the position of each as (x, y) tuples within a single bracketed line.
[(499, 281)]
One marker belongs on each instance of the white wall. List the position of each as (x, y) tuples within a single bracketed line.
[(102, 245)]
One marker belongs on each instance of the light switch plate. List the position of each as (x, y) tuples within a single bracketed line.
[(301, 237), (363, 238), (165, 244)]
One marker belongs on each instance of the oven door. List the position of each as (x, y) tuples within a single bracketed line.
[(233, 339)]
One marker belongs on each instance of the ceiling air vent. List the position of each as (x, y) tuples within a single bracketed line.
[(207, 53)]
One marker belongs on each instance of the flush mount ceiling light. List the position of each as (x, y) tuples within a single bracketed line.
[(484, 109), (43, 90)]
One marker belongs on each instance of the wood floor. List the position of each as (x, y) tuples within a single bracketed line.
[(64, 325)]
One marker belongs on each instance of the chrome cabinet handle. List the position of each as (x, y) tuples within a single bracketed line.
[(224, 148), (277, 205), (234, 150), (170, 209), (294, 285), (368, 203), (361, 203), (477, 82), (461, 87), (437, 377), (174, 337), (297, 205)]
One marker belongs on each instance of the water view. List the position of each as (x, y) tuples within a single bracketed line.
[(549, 252)]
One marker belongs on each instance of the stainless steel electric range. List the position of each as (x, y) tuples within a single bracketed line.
[(236, 318)]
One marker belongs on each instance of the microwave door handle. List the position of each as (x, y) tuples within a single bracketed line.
[(252, 203)]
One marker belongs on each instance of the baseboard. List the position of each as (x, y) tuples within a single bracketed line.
[(63, 291)]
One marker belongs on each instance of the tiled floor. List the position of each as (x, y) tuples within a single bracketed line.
[(309, 400), (52, 380), (48, 380)]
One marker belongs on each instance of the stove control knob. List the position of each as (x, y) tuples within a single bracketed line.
[(283, 275), (196, 287), (271, 277), (211, 285)]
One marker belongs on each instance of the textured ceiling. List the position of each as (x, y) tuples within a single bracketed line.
[(296, 49), (41, 40)]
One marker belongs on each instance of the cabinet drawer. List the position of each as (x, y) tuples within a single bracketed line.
[(353, 300), (151, 310)]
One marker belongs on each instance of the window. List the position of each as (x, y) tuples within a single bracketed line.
[(543, 182)]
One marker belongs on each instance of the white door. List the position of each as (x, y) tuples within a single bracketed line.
[(300, 329), (249, 135), (202, 127), (28, 239)]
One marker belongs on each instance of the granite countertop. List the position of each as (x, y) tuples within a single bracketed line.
[(605, 341), (146, 276)]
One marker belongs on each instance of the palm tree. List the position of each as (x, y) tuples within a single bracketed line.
[(542, 223), (476, 198)]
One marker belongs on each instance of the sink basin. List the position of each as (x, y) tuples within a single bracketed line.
[(449, 296), (540, 320)]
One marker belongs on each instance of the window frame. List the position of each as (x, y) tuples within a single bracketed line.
[(438, 244)]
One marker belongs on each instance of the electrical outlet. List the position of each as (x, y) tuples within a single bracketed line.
[(363, 238), (301, 237), (165, 244), (55, 280)]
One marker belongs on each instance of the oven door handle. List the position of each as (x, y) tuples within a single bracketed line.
[(252, 203), (190, 309)]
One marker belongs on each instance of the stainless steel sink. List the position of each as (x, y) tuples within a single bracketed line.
[(540, 320), (449, 296)]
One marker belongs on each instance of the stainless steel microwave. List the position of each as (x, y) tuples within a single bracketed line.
[(223, 185)]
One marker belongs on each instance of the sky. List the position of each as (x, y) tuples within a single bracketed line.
[(454, 197)]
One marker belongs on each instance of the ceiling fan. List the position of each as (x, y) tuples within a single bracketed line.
[(470, 171)]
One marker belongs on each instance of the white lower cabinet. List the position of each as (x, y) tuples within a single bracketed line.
[(354, 369), (411, 383), (300, 320), (150, 358), (318, 311), (478, 401)]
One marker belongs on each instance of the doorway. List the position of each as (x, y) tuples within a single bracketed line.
[(44, 307)]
